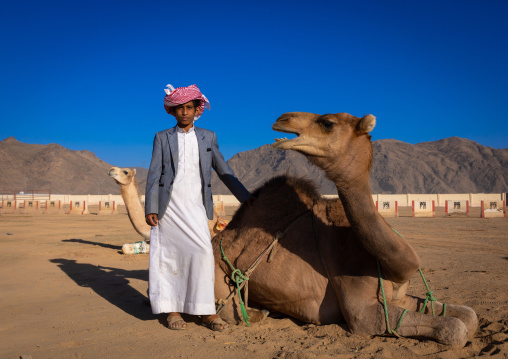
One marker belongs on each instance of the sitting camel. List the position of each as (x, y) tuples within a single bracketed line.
[(330, 255)]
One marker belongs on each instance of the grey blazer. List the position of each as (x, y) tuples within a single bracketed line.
[(164, 166)]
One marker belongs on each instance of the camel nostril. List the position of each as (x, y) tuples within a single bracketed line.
[(283, 119)]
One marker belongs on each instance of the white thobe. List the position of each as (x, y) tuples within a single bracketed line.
[(181, 270)]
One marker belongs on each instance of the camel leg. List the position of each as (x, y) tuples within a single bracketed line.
[(465, 314), (232, 312), (366, 315), (370, 320), (446, 330)]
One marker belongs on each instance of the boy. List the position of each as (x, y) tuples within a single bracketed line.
[(178, 204)]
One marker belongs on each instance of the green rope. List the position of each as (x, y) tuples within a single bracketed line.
[(400, 235), (385, 305), (429, 295), (238, 278)]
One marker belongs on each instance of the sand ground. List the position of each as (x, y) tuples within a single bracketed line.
[(67, 292)]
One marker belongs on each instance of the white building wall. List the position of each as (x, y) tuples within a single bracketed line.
[(403, 200)]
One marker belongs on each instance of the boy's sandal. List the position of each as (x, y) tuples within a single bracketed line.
[(173, 320), (216, 324)]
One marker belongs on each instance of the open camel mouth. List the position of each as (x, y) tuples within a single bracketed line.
[(282, 142)]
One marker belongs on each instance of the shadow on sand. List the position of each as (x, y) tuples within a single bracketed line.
[(110, 283), (105, 245)]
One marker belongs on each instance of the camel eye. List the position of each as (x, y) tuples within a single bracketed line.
[(125, 173), (327, 125)]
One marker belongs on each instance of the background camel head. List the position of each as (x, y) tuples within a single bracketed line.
[(331, 140), (122, 176)]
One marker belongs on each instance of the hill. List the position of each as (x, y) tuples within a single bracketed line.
[(56, 168), (451, 165)]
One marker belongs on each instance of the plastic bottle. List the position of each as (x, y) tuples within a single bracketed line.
[(136, 248)]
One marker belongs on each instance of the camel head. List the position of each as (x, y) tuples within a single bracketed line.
[(122, 176), (338, 143)]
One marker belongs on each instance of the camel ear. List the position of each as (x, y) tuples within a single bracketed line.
[(366, 124), (133, 172)]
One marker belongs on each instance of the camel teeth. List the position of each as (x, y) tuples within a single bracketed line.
[(280, 139)]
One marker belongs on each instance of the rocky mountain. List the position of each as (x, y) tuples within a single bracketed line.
[(55, 168), (451, 165)]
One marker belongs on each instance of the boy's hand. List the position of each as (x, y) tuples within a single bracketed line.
[(152, 219)]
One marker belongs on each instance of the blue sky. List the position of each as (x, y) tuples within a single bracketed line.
[(90, 75)]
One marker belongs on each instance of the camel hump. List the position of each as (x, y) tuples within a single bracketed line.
[(366, 124), (288, 184)]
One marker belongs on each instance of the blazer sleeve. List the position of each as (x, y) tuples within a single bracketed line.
[(226, 174), (152, 179)]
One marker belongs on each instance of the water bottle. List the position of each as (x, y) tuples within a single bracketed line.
[(136, 248)]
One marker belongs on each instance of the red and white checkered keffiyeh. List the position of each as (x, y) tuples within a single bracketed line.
[(181, 95)]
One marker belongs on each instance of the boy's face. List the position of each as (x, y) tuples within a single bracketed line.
[(184, 115)]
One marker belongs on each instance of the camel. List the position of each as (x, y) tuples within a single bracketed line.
[(129, 190), (131, 197), (325, 267)]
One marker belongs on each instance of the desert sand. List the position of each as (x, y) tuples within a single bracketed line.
[(66, 291)]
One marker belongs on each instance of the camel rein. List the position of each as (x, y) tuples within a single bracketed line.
[(241, 279)]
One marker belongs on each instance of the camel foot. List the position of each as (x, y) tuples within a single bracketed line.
[(257, 315), (467, 316), (452, 332)]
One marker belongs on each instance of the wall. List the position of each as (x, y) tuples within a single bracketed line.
[(403, 200)]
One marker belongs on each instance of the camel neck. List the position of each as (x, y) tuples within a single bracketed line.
[(135, 210), (375, 234), (362, 214), (131, 193), (360, 209)]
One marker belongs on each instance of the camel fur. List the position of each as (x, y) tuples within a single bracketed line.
[(324, 268), (132, 199)]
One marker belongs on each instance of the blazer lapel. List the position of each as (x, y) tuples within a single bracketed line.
[(173, 146), (201, 136)]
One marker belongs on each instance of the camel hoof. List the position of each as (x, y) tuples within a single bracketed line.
[(264, 313), (470, 319), (257, 315), (466, 315), (452, 332)]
